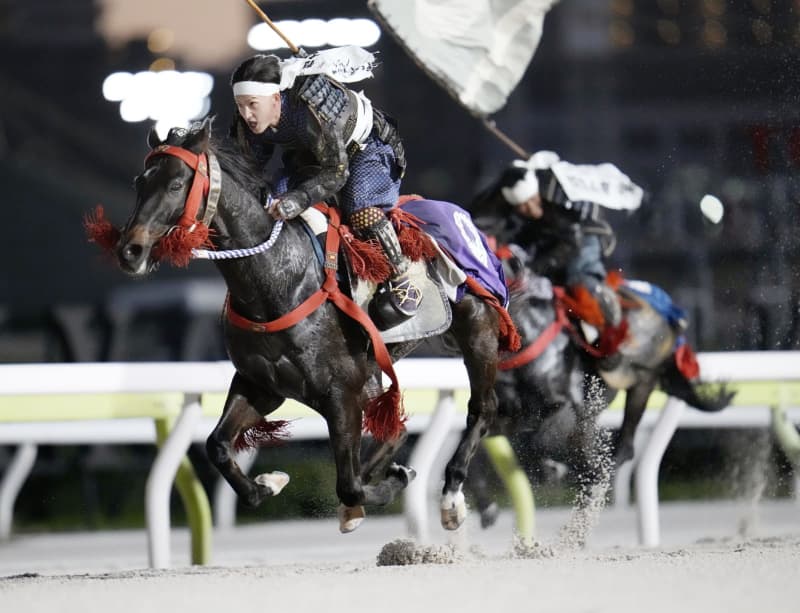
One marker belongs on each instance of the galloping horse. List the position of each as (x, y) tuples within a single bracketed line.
[(557, 389), (324, 359)]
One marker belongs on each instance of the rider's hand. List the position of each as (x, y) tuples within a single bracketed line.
[(285, 208)]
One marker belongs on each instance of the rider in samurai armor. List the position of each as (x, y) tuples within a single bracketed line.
[(336, 147), (553, 210)]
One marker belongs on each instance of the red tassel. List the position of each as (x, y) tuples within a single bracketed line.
[(408, 198), (612, 337), (615, 279), (686, 361), (509, 337), (503, 252), (262, 434), (581, 304), (100, 231), (385, 416), (176, 247), (367, 258), (414, 243)]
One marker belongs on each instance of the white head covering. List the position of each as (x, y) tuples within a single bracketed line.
[(528, 186), (344, 64)]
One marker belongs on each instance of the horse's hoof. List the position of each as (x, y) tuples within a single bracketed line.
[(453, 510), (405, 474), (554, 472), (624, 454), (489, 515), (274, 481), (350, 518)]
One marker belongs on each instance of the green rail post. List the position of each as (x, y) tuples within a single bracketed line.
[(195, 500), (785, 432), (519, 487)]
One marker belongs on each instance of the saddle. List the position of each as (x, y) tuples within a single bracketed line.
[(438, 266)]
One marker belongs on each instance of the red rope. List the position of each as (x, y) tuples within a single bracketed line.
[(537, 347)]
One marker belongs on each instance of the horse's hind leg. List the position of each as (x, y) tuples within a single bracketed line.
[(343, 414), (245, 407), (380, 456), (481, 472), (475, 326), (635, 404)]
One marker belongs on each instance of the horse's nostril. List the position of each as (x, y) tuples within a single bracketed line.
[(132, 252)]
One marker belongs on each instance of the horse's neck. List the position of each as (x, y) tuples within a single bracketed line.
[(240, 220), (269, 284)]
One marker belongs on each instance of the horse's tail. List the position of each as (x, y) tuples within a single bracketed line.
[(702, 396)]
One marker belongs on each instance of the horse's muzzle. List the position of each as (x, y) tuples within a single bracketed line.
[(133, 252)]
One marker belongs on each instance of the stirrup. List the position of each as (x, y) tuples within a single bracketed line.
[(406, 296), (395, 302)]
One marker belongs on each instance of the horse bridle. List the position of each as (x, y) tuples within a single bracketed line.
[(206, 184)]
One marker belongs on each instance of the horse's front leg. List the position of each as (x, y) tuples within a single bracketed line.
[(476, 333), (245, 407)]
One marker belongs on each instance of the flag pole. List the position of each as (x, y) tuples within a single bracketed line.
[(492, 127), (292, 47)]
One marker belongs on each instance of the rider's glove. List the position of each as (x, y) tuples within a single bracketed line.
[(286, 207)]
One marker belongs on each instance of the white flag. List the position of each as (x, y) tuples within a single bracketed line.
[(344, 64), (477, 49), (603, 184)]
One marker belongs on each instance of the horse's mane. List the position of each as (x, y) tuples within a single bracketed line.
[(245, 171), (249, 175)]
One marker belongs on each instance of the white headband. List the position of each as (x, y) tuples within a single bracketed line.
[(527, 187), (255, 88)]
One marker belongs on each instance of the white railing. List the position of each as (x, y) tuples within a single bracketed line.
[(118, 402)]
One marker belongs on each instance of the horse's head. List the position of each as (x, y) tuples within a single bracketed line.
[(169, 194)]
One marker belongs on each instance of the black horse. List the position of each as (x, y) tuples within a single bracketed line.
[(325, 360), (557, 396)]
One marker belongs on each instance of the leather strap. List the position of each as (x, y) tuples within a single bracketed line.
[(200, 184)]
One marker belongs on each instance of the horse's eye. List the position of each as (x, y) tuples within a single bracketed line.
[(176, 186)]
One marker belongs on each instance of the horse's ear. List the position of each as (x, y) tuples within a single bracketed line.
[(153, 139), (200, 136)]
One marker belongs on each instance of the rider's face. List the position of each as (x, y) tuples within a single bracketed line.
[(259, 112), (532, 207)]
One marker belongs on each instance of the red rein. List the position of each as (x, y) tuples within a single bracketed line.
[(188, 234)]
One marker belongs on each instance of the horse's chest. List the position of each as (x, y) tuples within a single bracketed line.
[(286, 368)]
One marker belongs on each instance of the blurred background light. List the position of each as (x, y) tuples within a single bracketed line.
[(170, 98), (314, 33), (116, 86), (762, 31), (162, 63), (714, 34), (621, 33), (668, 31), (623, 8), (713, 8), (160, 40)]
